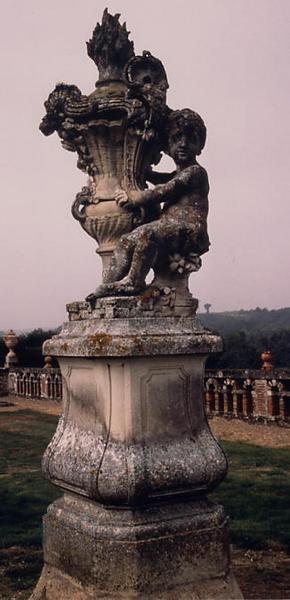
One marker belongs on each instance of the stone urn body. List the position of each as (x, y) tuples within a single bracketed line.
[(119, 157), (117, 132)]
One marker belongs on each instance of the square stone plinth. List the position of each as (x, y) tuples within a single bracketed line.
[(177, 551)]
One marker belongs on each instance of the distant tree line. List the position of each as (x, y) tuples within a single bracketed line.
[(246, 335), (243, 351)]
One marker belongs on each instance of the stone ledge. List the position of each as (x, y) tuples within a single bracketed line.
[(133, 337)]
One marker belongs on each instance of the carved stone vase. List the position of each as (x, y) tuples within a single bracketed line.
[(119, 156), (116, 131)]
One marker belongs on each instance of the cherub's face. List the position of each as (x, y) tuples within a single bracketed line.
[(183, 146)]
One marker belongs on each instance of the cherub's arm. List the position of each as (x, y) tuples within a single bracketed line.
[(156, 177), (162, 192), (191, 179)]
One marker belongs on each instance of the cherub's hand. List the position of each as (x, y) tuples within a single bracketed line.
[(121, 198), (128, 201)]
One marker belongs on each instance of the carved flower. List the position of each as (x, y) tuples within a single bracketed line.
[(184, 264)]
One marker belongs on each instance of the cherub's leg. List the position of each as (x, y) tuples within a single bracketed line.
[(119, 267), (120, 261), (136, 254), (143, 257)]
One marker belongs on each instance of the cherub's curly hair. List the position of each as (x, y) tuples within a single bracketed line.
[(187, 119)]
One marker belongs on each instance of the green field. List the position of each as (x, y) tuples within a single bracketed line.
[(255, 495)]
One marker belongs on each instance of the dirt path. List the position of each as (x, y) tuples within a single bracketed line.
[(15, 403), (262, 575), (260, 434), (272, 435)]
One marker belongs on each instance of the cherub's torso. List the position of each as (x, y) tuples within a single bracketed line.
[(191, 204)]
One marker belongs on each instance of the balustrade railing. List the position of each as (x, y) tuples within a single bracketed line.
[(230, 393), (36, 383), (248, 394)]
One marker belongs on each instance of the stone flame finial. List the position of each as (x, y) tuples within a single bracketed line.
[(110, 47)]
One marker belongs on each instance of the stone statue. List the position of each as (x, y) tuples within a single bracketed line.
[(133, 451), (180, 230), (118, 132)]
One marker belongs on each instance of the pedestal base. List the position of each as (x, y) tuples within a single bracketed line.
[(177, 551)]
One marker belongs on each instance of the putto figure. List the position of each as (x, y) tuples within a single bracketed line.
[(175, 240)]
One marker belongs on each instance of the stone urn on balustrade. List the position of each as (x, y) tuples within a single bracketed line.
[(11, 340)]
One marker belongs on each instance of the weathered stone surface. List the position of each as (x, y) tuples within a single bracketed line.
[(116, 131), (134, 430), (154, 302), (133, 450), (118, 333), (162, 552), (53, 585)]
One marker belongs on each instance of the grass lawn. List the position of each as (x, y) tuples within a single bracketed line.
[(24, 496), (255, 495)]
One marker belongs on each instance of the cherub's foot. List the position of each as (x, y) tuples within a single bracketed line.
[(91, 299), (125, 287), (101, 291)]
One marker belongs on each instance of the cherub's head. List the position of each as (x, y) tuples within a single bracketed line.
[(186, 136)]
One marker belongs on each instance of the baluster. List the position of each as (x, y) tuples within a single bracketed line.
[(219, 399), (38, 386), (225, 398), (57, 387), (273, 399), (48, 386), (53, 386), (32, 390), (17, 384), (25, 385), (247, 398)]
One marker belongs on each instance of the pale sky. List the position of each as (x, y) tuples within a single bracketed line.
[(226, 59)]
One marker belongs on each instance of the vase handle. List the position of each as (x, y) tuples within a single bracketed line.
[(83, 198)]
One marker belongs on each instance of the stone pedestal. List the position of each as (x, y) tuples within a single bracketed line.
[(164, 551), (136, 458)]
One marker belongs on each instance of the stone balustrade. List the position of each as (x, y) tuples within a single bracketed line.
[(248, 394), (35, 383), (231, 393)]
